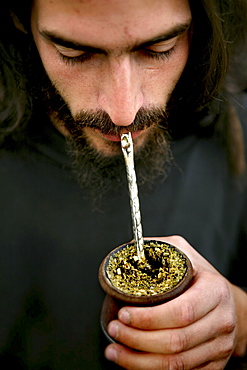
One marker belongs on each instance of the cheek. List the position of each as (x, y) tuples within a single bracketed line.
[(160, 82), (164, 79), (73, 83)]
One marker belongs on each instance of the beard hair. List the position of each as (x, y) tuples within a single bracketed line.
[(106, 175), (103, 175), (100, 174)]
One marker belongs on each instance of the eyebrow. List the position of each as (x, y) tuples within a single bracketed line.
[(55, 38)]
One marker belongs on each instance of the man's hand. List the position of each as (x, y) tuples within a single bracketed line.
[(199, 329)]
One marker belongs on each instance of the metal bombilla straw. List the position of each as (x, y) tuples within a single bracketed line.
[(128, 152)]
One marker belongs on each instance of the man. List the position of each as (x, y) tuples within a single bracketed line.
[(87, 71)]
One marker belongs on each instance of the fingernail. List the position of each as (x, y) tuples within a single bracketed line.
[(113, 330), (111, 354), (124, 316)]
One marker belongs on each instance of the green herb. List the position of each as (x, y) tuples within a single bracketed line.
[(161, 270)]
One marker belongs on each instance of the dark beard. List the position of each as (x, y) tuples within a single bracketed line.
[(105, 175), (101, 174)]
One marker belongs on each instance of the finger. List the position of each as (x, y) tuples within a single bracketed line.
[(212, 355), (171, 341), (202, 297), (184, 246)]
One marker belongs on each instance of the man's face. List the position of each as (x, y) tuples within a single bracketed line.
[(114, 58)]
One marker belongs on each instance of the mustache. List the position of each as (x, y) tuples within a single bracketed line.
[(101, 120), (98, 119)]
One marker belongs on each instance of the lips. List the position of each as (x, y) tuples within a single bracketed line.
[(118, 138)]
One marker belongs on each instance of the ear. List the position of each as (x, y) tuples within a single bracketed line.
[(17, 22)]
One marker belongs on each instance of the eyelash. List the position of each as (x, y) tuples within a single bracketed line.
[(74, 60), (163, 55), (159, 54)]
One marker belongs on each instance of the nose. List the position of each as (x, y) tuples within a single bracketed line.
[(120, 91)]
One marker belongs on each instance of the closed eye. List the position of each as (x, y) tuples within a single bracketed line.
[(160, 50), (162, 46), (70, 55), (159, 54), (69, 52), (73, 52)]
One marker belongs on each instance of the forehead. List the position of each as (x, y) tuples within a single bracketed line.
[(114, 20)]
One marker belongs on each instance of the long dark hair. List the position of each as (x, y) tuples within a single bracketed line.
[(218, 35)]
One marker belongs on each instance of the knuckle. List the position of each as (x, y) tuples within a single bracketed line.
[(186, 314), (223, 291), (173, 363), (178, 341), (225, 352), (230, 324), (226, 348), (228, 319)]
